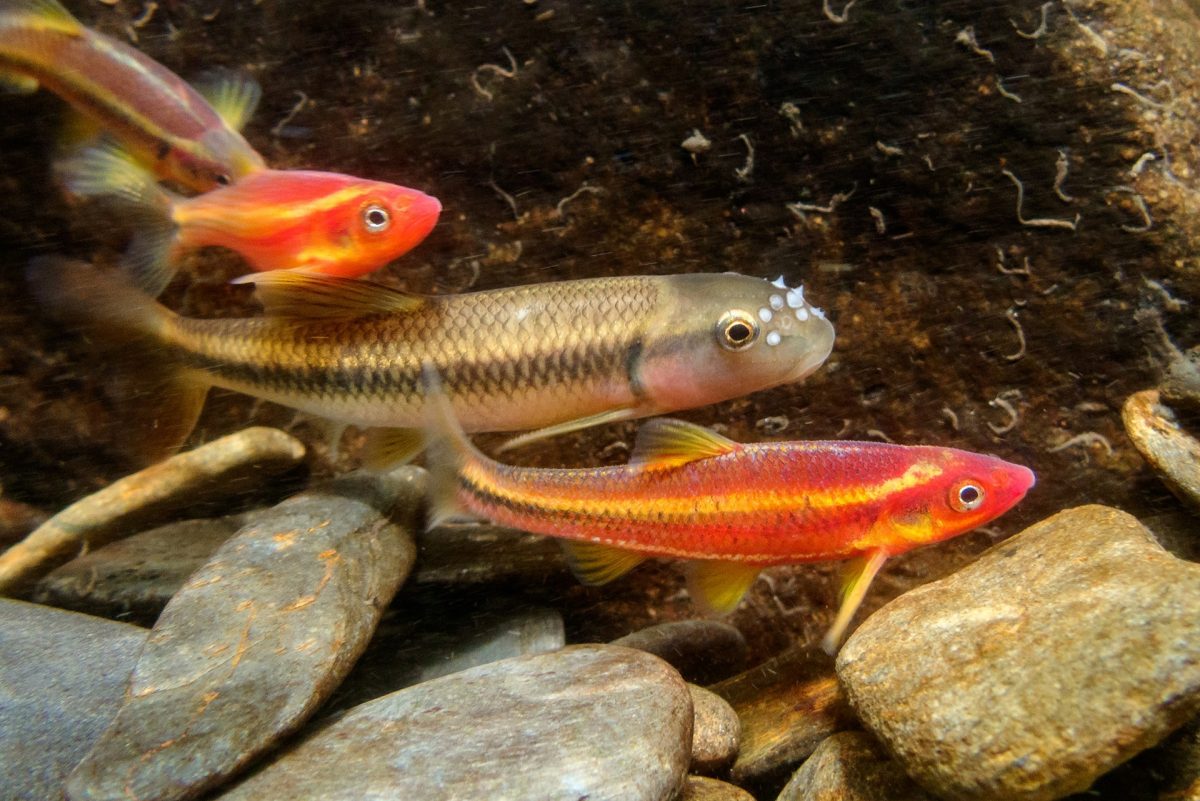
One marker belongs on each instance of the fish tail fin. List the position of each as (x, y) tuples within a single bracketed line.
[(132, 326), (108, 171), (447, 450)]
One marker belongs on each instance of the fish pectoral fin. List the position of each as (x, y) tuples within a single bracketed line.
[(17, 83), (595, 564), (717, 587), (667, 442), (284, 293), (578, 424), (857, 576), (390, 447), (233, 95)]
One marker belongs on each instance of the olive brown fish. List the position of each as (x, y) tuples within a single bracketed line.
[(555, 356)]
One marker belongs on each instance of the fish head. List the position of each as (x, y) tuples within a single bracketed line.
[(947, 492), (385, 221), (722, 336), (223, 158)]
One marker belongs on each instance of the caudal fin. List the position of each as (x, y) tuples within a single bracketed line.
[(108, 171), (130, 327)]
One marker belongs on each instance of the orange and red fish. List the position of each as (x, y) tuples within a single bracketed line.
[(320, 223), (169, 126), (731, 509)]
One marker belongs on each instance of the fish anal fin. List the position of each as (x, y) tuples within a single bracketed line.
[(717, 587), (17, 83), (857, 575), (390, 447), (233, 95), (594, 563), (568, 426), (287, 293), (667, 442)]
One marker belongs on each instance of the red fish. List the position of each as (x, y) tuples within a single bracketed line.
[(731, 509), (169, 126), (320, 223)]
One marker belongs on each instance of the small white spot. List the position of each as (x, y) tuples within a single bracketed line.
[(779, 283), (817, 312), (795, 297), (773, 338), (777, 302), (801, 314), (764, 314)]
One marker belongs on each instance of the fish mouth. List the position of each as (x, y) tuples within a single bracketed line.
[(814, 358)]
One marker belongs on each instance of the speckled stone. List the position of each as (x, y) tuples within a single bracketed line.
[(257, 639), (703, 788), (1172, 452), (1058, 655), (62, 679), (851, 766), (589, 721), (716, 733), (138, 575), (703, 651), (786, 706)]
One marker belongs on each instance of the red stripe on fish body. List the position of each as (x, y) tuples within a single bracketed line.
[(763, 504)]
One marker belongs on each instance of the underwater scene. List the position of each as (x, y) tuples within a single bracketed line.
[(587, 399)]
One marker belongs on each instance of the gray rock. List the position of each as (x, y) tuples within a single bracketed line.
[(786, 706), (589, 721), (62, 678), (851, 766), (1058, 655), (467, 554), (138, 575), (703, 651), (1172, 452), (257, 639), (406, 652), (716, 732), (1181, 384), (702, 788)]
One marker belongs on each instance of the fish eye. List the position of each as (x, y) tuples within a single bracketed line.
[(222, 179), (966, 496), (737, 330), (376, 218)]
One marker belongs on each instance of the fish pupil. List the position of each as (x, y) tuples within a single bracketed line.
[(376, 218), (739, 333)]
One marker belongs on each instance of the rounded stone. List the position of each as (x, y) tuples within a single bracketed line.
[(716, 733), (1058, 655), (851, 766)]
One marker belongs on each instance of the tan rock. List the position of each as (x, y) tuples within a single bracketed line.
[(716, 732), (1058, 655), (851, 766)]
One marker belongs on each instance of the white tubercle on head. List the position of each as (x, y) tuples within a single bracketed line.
[(779, 283)]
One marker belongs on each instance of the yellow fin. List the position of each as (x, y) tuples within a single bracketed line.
[(595, 564), (667, 442), (287, 293), (578, 424), (389, 447), (718, 587), (233, 95), (47, 11), (856, 579), (17, 83)]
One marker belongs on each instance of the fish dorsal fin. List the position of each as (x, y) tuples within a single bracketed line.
[(857, 575), (595, 564), (667, 442), (48, 11), (17, 83), (233, 95), (288, 293), (717, 587)]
